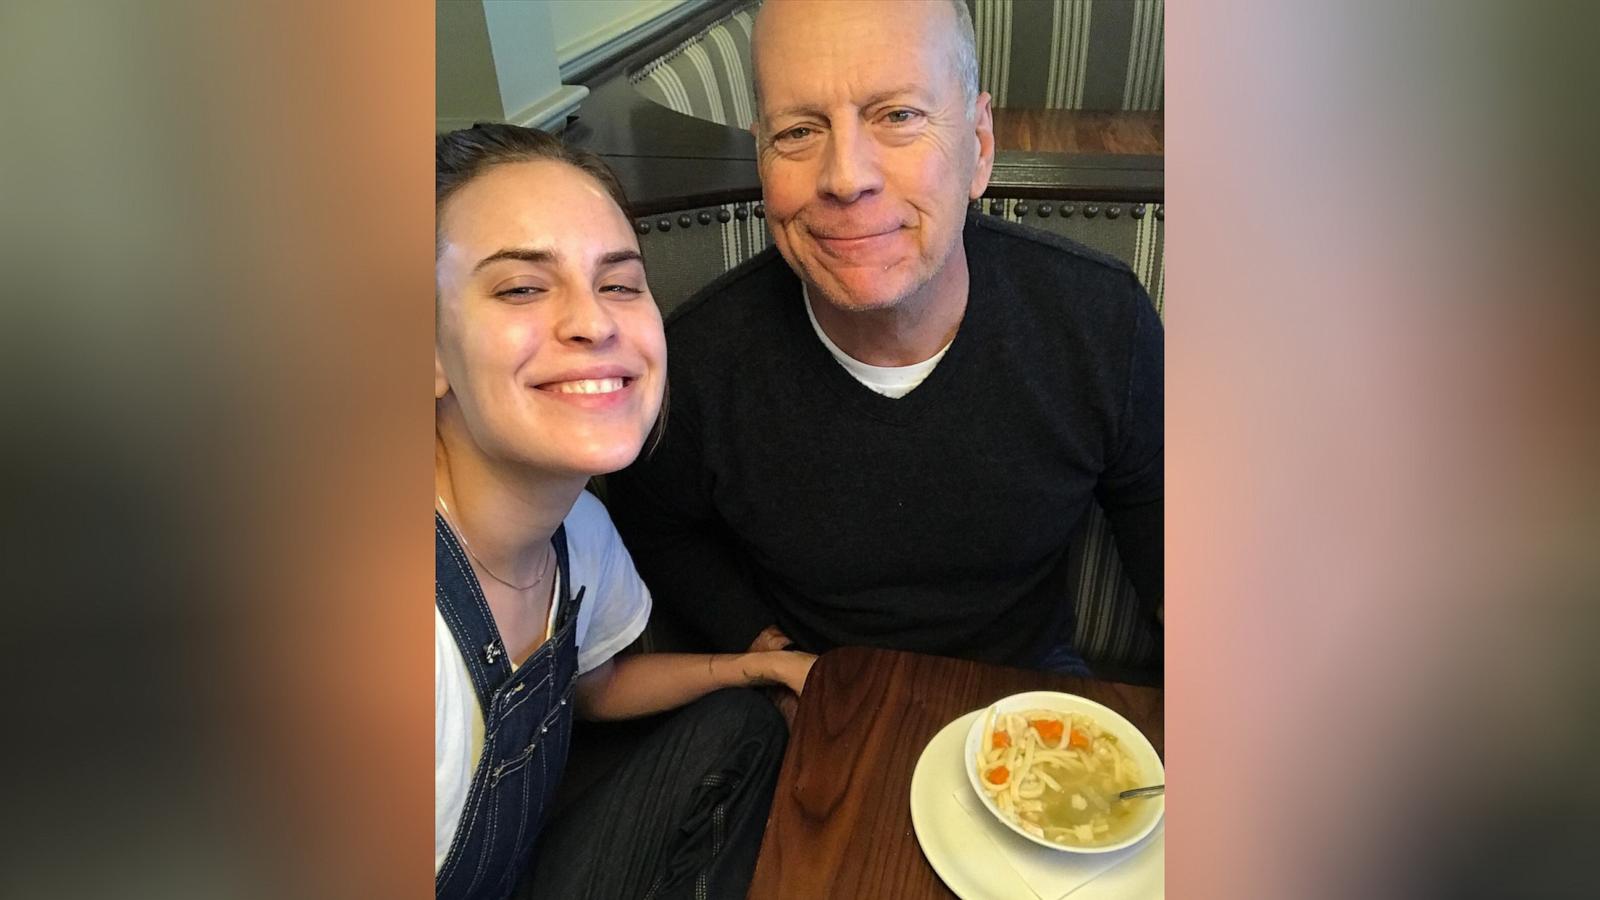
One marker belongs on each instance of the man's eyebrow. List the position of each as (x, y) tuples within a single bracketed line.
[(892, 93), (799, 109), (518, 253), (811, 109)]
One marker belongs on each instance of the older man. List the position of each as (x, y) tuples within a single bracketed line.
[(888, 434)]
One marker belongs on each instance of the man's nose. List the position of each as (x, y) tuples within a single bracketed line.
[(584, 318), (850, 167)]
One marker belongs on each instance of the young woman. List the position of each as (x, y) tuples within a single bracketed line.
[(550, 367)]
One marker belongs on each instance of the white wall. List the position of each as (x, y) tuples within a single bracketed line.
[(466, 88), (523, 57), (580, 26), (496, 61), (505, 60)]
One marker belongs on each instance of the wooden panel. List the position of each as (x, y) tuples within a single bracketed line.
[(1079, 131)]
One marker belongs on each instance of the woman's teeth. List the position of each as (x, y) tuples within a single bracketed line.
[(589, 386)]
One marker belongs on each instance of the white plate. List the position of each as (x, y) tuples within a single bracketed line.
[(965, 850)]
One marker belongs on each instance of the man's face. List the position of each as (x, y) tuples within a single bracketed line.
[(548, 338), (867, 151)]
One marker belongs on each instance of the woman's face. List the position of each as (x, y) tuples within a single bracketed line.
[(548, 339)]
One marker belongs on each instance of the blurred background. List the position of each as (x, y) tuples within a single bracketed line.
[(1382, 418)]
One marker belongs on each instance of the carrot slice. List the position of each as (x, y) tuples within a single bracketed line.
[(1001, 741), (998, 775), (1049, 730), (1079, 739)]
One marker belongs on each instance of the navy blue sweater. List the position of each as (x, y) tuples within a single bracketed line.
[(785, 492)]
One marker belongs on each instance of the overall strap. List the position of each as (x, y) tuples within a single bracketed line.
[(465, 610), (568, 604)]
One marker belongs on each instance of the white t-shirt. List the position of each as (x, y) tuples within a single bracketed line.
[(890, 381), (615, 607)]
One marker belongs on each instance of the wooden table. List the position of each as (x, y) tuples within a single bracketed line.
[(841, 819)]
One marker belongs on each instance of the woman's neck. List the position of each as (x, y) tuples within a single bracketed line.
[(507, 511)]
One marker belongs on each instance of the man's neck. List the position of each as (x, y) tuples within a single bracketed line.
[(507, 511), (910, 331)]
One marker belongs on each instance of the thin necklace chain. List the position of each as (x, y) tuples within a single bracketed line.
[(450, 517)]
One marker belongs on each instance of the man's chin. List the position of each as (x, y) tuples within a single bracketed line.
[(864, 294)]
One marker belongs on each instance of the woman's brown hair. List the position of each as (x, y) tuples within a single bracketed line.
[(460, 156)]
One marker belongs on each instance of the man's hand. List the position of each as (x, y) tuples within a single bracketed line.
[(770, 638), (784, 668)]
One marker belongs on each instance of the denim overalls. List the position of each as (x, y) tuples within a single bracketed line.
[(527, 723)]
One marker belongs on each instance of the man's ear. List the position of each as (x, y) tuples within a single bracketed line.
[(441, 383), (983, 124)]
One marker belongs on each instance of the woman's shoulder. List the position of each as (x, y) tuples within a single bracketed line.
[(588, 514), (619, 603), (589, 528)]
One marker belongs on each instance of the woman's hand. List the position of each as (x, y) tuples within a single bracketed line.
[(785, 671)]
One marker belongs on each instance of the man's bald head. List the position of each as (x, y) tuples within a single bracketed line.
[(963, 41)]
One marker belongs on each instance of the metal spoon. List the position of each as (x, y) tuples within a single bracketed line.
[(1138, 793)]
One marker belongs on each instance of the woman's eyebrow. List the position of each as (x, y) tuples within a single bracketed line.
[(547, 257), (617, 256), (517, 253)]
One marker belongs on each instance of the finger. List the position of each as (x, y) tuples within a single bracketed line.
[(770, 638)]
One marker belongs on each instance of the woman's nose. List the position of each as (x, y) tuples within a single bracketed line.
[(584, 319)]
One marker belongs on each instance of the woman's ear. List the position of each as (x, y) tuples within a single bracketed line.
[(441, 383)]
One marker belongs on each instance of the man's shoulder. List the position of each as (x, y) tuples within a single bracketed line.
[(742, 295), (1013, 237)]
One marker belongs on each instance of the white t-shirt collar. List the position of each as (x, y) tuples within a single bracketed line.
[(890, 381)]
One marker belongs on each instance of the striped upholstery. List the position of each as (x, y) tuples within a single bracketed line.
[(680, 261), (1032, 54), (1112, 629), (1132, 232), (707, 76), (1071, 54)]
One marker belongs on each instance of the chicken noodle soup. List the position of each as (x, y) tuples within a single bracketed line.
[(1057, 775)]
